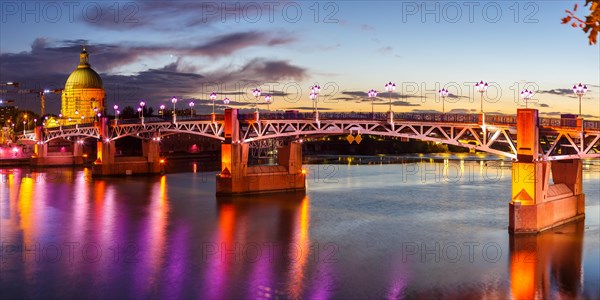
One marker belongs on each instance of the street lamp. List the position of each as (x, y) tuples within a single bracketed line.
[(60, 122), (174, 101), (191, 108), (256, 93), (481, 87), (162, 110), (116, 107), (139, 110), (314, 95), (443, 93), (95, 112), (213, 97), (526, 95), (390, 87), (580, 90), (372, 94), (142, 104), (226, 102), (77, 116), (24, 122), (268, 100)]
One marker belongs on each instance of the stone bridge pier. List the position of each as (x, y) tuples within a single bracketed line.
[(42, 157), (236, 177), (107, 164), (545, 194)]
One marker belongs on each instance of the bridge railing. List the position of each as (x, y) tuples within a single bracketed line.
[(490, 119), (418, 117), (569, 123), (159, 119)]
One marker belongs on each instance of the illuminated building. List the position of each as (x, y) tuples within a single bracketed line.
[(83, 92)]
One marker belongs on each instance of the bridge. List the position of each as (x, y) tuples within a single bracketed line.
[(546, 152)]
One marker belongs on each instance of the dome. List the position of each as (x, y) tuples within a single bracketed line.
[(84, 77)]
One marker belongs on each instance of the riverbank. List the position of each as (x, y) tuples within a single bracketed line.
[(398, 159)]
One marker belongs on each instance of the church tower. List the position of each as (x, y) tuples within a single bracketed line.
[(83, 95)]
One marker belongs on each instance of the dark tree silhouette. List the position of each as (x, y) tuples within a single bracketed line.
[(128, 112)]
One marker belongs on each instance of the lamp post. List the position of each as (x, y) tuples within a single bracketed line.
[(95, 112), (443, 93), (139, 110), (313, 98), (191, 108), (24, 122), (372, 94), (60, 122), (213, 97), (142, 105), (256, 92), (174, 101), (580, 90), (268, 100), (390, 87), (226, 102), (314, 95), (481, 87), (161, 111), (526, 95), (116, 107), (76, 118)]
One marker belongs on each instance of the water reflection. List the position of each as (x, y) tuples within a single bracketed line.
[(547, 265), (259, 235), (168, 237)]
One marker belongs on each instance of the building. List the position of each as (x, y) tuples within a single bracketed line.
[(7, 112), (83, 95)]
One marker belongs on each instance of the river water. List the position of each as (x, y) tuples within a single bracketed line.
[(427, 229)]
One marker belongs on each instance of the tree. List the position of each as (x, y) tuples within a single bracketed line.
[(591, 24), (128, 113)]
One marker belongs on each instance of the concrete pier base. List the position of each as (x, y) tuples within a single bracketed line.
[(545, 194), (237, 178), (129, 166), (107, 164), (58, 160)]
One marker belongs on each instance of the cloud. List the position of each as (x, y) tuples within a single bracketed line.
[(367, 28), (47, 65), (557, 92), (385, 50), (399, 103), (461, 111), (175, 15), (426, 111), (542, 105), (309, 108), (558, 113)]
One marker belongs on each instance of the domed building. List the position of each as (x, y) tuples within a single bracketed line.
[(83, 93)]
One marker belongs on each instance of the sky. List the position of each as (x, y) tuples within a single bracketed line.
[(156, 50)]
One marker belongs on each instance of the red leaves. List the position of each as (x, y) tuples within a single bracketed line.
[(591, 25)]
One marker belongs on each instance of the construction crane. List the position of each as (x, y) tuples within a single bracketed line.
[(40, 93)]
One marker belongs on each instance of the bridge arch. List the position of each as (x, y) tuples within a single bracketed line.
[(467, 136)]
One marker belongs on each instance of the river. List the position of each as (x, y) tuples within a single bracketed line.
[(422, 229)]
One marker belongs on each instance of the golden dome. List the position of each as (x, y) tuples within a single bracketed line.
[(84, 77), (83, 95)]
